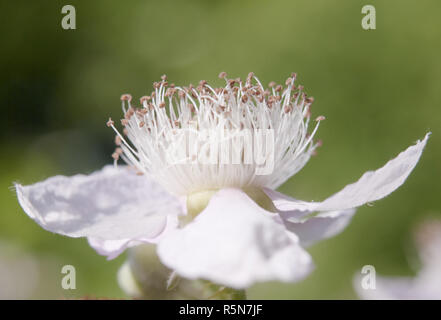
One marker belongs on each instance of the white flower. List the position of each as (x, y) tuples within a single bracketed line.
[(238, 230), (426, 284)]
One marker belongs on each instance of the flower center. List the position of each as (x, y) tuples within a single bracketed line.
[(242, 135)]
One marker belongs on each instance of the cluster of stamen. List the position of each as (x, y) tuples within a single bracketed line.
[(239, 105)]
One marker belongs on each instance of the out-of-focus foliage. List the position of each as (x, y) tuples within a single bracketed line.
[(379, 90)]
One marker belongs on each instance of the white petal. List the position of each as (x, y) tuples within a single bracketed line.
[(320, 227), (113, 248), (293, 209), (372, 186), (110, 204), (236, 243), (308, 228)]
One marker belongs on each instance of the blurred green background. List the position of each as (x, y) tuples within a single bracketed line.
[(379, 90)]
